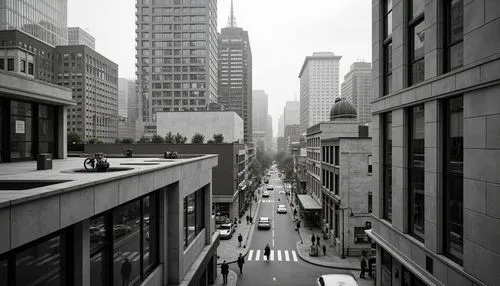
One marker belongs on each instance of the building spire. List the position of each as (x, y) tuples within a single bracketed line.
[(232, 19)]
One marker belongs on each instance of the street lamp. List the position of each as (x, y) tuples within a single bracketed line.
[(343, 230)]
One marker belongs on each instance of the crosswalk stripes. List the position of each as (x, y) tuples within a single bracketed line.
[(278, 255)]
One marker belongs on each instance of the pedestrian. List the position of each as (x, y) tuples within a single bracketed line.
[(317, 239), (324, 249), (241, 261), (295, 212), (248, 218), (235, 220), (313, 238), (251, 220), (125, 271), (267, 251), (363, 268), (224, 270), (240, 239)]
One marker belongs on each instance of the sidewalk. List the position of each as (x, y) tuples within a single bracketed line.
[(232, 278), (228, 249)]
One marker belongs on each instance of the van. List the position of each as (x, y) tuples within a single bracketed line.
[(337, 280)]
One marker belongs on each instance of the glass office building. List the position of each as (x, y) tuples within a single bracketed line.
[(45, 20)]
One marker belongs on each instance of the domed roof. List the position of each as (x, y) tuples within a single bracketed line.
[(342, 109)]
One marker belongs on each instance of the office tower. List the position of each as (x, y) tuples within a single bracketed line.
[(436, 183), (94, 80), (46, 21), (281, 126), (176, 56), (269, 131), (291, 113), (132, 108), (319, 86), (357, 89), (259, 116), (235, 73), (77, 36), (123, 90)]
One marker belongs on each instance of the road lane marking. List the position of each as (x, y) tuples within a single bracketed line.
[(257, 255), (287, 257), (273, 242), (272, 255), (294, 254), (279, 255), (250, 254), (273, 232)]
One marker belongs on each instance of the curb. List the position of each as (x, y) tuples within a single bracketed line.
[(322, 265), (247, 240)]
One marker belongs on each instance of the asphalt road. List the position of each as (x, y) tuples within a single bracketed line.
[(282, 239)]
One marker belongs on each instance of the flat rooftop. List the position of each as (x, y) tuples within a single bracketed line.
[(21, 182)]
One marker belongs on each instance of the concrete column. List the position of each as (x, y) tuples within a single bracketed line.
[(432, 159), (175, 235), (81, 250), (62, 140)]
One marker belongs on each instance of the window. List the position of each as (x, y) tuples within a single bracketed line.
[(21, 125), (194, 216), (2, 64), (416, 34), (30, 68), (360, 236), (370, 164), (370, 202), (416, 171), (23, 66), (10, 64), (410, 279), (46, 129), (387, 47), (337, 191), (454, 31), (386, 277), (387, 166), (337, 155), (453, 179)]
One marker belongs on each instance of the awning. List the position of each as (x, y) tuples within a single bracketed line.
[(308, 202)]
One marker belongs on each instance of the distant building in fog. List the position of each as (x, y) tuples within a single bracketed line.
[(78, 36), (357, 89)]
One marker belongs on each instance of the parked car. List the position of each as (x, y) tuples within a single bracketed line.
[(264, 223), (281, 192), (96, 233), (265, 194), (270, 187), (226, 231), (221, 219), (281, 209), (336, 280)]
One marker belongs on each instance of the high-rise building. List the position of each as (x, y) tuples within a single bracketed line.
[(132, 107), (78, 36), (436, 143), (281, 126), (357, 89), (259, 116), (319, 86), (123, 89), (291, 113), (235, 73), (46, 21), (269, 131), (94, 80), (176, 56)]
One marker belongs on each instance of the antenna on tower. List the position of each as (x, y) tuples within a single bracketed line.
[(231, 22)]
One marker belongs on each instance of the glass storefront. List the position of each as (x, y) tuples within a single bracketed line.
[(26, 129)]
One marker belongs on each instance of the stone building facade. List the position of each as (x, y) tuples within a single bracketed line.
[(436, 118)]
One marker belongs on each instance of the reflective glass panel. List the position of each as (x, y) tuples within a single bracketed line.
[(40, 264)]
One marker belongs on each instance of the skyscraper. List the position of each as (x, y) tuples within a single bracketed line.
[(357, 89), (176, 56), (123, 97), (235, 73), (259, 115), (319, 86), (269, 132), (77, 36), (47, 21), (281, 126), (291, 113)]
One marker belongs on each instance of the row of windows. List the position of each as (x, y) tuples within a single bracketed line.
[(328, 155), (184, 85), (451, 178), (452, 40), (168, 10), (178, 102)]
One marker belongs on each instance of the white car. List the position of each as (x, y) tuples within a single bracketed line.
[(281, 209), (270, 187), (265, 194), (264, 222), (336, 280), (226, 231), (281, 192)]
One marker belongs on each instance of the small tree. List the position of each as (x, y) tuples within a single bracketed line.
[(180, 139), (94, 141), (169, 138), (157, 139), (127, 140), (218, 138), (143, 139), (198, 138), (210, 141), (74, 138)]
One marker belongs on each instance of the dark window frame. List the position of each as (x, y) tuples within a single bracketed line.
[(449, 44), (386, 167), (199, 222), (386, 47), (450, 171), (416, 172), (413, 22)]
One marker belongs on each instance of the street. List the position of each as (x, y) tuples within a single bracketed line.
[(284, 266)]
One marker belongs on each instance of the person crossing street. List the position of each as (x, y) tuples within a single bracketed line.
[(267, 252)]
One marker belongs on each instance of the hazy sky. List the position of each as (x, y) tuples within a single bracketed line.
[(282, 33)]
